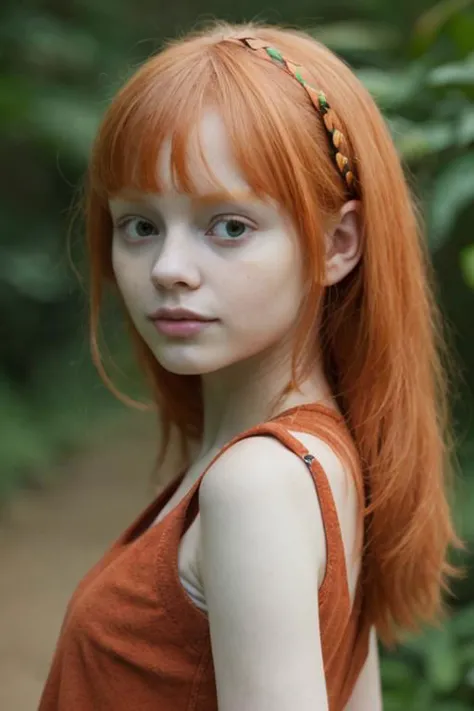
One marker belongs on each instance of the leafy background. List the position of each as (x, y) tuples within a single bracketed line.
[(61, 63)]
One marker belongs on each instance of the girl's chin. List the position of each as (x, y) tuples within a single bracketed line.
[(184, 366)]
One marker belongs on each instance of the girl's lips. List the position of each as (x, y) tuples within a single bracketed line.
[(181, 327)]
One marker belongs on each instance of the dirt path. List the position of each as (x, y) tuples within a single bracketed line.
[(48, 540)]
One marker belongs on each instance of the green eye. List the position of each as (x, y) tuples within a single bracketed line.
[(230, 228), (142, 228)]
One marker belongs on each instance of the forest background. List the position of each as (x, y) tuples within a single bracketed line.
[(61, 64)]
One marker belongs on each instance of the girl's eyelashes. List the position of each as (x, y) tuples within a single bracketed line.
[(144, 228), (231, 228), (226, 228)]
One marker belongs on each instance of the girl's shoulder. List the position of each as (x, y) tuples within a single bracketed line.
[(259, 480)]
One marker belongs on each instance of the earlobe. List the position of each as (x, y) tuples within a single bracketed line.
[(343, 244)]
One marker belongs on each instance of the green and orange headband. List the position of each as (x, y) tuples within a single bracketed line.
[(337, 140)]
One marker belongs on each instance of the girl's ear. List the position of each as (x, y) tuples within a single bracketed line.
[(343, 244)]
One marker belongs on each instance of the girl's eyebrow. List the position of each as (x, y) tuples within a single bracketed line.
[(224, 196), (130, 196), (198, 200)]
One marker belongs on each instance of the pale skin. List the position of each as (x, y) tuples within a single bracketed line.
[(260, 572)]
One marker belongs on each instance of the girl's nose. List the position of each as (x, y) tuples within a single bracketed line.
[(175, 265)]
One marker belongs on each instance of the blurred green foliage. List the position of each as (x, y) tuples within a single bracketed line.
[(61, 62)]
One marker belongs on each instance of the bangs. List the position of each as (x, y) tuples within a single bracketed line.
[(165, 101)]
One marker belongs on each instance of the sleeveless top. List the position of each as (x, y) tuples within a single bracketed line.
[(133, 639)]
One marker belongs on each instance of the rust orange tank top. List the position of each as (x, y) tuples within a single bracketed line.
[(133, 639)]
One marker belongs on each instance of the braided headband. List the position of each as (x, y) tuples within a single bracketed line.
[(336, 137)]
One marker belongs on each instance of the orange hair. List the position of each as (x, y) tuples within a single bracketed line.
[(379, 330)]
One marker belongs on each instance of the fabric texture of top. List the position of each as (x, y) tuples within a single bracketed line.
[(133, 639)]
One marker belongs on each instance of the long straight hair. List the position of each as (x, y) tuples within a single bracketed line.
[(379, 330)]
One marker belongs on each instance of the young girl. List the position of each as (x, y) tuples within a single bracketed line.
[(246, 199)]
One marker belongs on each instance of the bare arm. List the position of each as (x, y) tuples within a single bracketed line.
[(262, 553)]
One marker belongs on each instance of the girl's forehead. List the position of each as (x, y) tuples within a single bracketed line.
[(209, 158), (212, 174)]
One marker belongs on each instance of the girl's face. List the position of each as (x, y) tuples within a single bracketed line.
[(235, 261)]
